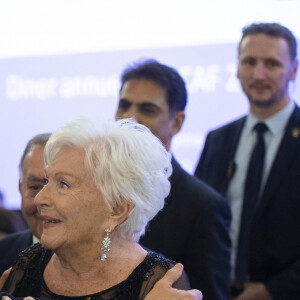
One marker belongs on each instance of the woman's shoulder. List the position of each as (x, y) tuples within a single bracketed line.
[(154, 259), (30, 255), (32, 250), (153, 264), (153, 268), (26, 270)]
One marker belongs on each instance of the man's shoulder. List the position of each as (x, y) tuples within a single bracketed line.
[(16, 240), (190, 190), (10, 247), (193, 184), (228, 127), (192, 199)]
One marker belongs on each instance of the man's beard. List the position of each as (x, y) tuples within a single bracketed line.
[(264, 104), (270, 102)]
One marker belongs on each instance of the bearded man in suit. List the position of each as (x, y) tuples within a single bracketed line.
[(268, 241)]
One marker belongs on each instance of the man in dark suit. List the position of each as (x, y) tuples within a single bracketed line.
[(267, 63), (30, 183), (193, 226)]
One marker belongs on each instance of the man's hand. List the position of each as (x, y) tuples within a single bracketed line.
[(3, 278), (163, 290), (254, 291)]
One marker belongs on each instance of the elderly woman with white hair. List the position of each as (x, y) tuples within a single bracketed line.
[(102, 186)]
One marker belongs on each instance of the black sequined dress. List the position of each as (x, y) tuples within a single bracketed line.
[(26, 278)]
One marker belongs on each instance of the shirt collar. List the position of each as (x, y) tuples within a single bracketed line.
[(35, 239), (276, 123)]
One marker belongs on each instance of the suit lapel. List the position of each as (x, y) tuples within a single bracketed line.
[(229, 150), (288, 148), (174, 178), (176, 170)]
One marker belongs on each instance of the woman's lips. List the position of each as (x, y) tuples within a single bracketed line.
[(49, 221)]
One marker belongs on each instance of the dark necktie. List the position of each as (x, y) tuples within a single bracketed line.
[(251, 194)]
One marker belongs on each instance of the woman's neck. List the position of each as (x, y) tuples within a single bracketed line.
[(86, 272)]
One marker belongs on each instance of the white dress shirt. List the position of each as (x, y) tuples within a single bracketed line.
[(35, 239)]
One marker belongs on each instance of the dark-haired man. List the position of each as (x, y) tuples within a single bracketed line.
[(265, 230), (193, 226)]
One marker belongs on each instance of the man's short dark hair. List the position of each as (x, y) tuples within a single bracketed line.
[(168, 78), (39, 139), (273, 30)]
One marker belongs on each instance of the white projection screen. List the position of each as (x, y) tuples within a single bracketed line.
[(63, 58)]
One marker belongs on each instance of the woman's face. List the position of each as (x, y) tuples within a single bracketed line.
[(72, 208)]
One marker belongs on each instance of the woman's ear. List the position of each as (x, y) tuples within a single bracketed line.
[(120, 213)]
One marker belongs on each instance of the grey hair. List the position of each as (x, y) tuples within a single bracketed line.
[(127, 163), (39, 139)]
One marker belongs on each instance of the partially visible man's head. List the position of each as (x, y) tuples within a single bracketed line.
[(32, 180), (155, 95), (273, 30), (267, 63)]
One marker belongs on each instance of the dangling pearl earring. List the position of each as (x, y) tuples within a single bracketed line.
[(105, 245)]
